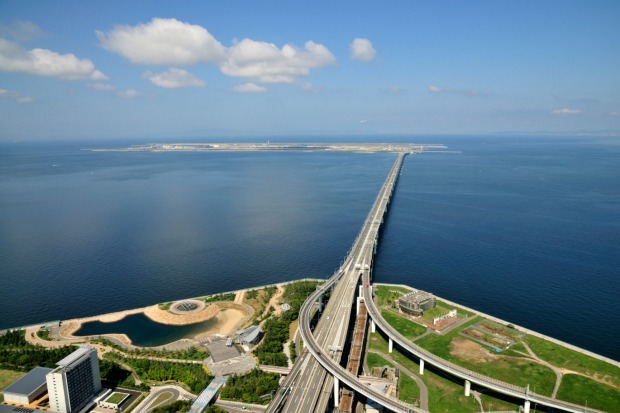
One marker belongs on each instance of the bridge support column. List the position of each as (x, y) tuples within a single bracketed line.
[(390, 346), (526, 407), (360, 292), (373, 327), (357, 301), (336, 392), (421, 367), (467, 388)]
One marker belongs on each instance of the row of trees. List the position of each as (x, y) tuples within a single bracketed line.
[(193, 375), (270, 351), (18, 354), (249, 387), (191, 353)]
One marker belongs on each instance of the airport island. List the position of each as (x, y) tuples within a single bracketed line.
[(343, 344)]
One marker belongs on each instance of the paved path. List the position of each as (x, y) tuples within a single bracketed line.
[(557, 371), (418, 380)]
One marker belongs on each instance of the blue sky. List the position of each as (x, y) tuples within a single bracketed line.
[(75, 69)]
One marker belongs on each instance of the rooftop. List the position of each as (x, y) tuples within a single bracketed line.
[(71, 358), (34, 379)]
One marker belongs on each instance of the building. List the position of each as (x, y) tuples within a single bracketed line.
[(29, 388), (250, 335), (75, 382), (416, 302)]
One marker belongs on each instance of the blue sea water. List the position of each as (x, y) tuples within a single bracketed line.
[(525, 229)]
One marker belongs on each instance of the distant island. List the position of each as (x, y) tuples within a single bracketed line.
[(281, 147)]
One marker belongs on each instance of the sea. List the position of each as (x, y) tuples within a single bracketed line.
[(525, 228)]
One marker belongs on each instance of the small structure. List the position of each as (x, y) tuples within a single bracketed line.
[(285, 307), (28, 388), (416, 302), (113, 401), (250, 335), (207, 395)]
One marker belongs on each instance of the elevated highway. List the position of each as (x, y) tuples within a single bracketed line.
[(318, 370), (330, 334)]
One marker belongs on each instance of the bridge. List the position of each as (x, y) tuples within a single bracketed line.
[(318, 372)]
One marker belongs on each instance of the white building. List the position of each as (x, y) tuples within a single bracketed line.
[(75, 382), (28, 388)]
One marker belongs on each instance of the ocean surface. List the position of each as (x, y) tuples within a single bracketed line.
[(524, 228)]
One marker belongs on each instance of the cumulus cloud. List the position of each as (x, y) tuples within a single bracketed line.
[(174, 78), (566, 111), (361, 49), (20, 30), (249, 87), (463, 92), (163, 42), (128, 94), (19, 98), (265, 62), (170, 42), (45, 62)]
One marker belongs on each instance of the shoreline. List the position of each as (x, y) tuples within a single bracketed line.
[(518, 327), (67, 327)]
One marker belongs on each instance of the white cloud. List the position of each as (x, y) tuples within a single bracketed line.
[(267, 63), (45, 62), (394, 90), (249, 87), (464, 92), (101, 86), (169, 42), (128, 94), (174, 78), (20, 30), (163, 42), (566, 111), (19, 98), (361, 49)]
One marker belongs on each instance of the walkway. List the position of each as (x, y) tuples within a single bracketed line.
[(418, 380)]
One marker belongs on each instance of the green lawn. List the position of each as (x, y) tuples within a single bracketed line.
[(8, 377), (387, 294), (406, 327), (116, 397), (518, 371), (572, 360), (581, 390), (161, 399)]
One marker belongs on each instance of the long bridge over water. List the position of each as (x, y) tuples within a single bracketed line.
[(318, 375)]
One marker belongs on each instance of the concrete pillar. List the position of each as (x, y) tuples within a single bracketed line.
[(526, 407), (336, 392), (390, 345), (320, 299), (467, 388), (360, 292), (421, 367), (357, 301), (373, 327)]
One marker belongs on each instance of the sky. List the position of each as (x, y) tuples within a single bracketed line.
[(151, 69)]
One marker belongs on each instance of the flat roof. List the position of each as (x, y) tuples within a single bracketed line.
[(5, 408), (74, 356), (34, 379)]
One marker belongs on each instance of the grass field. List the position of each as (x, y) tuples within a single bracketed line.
[(161, 399), (387, 294), (116, 397), (519, 371), (406, 327), (8, 377), (581, 390), (573, 360), (444, 395)]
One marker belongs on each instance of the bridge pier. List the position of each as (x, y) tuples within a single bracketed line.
[(421, 367), (373, 327), (357, 301), (336, 392), (526, 407), (390, 345), (467, 388)]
